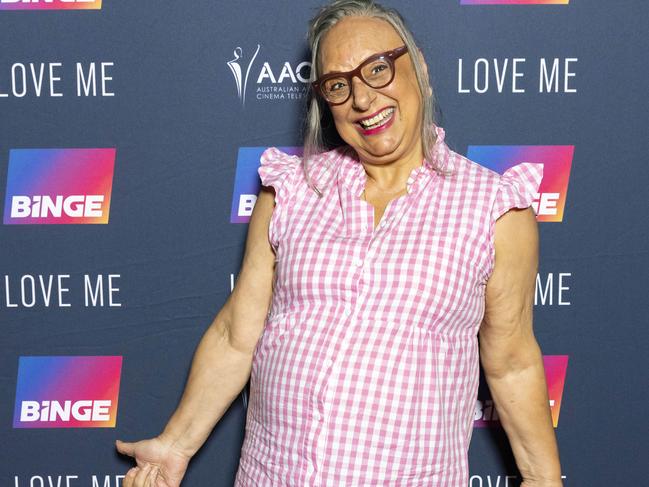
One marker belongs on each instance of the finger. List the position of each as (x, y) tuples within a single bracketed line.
[(153, 474), (125, 448), (130, 477), (142, 475)]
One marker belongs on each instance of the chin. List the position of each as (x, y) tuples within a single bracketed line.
[(386, 147)]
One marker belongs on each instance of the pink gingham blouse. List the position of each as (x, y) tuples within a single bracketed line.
[(367, 371)]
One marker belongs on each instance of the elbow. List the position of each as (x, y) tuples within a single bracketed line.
[(499, 362)]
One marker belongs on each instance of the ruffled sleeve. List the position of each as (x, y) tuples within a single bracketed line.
[(279, 170), (516, 188)]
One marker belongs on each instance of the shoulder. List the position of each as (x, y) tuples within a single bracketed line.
[(517, 186), (288, 173), (473, 171), (324, 168), (468, 180)]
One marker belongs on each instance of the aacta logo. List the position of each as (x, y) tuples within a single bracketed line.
[(550, 202), (67, 392), (59, 186), (240, 68), (50, 4), (275, 81)]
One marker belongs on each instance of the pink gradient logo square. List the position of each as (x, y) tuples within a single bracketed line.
[(550, 202), (67, 392), (555, 375), (50, 186), (514, 2), (50, 4)]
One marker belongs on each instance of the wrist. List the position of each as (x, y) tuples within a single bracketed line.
[(542, 483), (177, 444)]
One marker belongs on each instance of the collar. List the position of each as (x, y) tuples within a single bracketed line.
[(352, 174)]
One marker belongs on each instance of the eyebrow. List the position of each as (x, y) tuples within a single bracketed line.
[(347, 71)]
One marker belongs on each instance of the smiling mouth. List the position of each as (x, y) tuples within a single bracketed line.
[(377, 120)]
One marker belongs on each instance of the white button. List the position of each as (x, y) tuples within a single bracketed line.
[(348, 311), (383, 223), (358, 262), (317, 416), (309, 468), (328, 362)]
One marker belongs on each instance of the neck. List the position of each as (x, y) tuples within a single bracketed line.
[(391, 177)]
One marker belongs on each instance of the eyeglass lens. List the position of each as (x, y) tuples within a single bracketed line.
[(376, 73)]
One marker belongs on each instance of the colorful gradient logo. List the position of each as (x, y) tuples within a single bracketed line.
[(67, 392), (246, 181), (514, 2), (555, 375), (59, 186), (50, 4), (557, 162)]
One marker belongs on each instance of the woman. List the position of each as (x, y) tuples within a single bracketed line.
[(382, 261)]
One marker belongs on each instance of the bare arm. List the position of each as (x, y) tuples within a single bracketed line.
[(222, 362), (510, 354)]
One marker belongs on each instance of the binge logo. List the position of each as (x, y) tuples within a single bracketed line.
[(59, 186), (555, 375), (67, 392), (514, 2), (246, 181), (50, 4), (556, 159)]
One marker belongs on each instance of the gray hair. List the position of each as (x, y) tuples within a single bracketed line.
[(324, 20)]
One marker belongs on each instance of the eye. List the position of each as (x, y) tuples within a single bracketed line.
[(335, 85), (377, 71), (377, 68)]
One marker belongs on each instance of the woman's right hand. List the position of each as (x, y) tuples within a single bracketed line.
[(166, 465)]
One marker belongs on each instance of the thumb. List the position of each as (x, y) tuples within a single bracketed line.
[(125, 448)]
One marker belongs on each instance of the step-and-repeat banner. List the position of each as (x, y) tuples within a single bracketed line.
[(130, 135)]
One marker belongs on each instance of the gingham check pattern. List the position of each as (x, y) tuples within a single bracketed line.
[(367, 370)]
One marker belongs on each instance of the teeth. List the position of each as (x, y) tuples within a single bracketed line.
[(377, 119)]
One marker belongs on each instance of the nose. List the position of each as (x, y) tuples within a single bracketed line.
[(362, 95)]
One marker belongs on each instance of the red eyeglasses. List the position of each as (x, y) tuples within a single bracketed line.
[(377, 71)]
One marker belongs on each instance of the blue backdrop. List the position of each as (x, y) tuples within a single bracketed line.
[(177, 99)]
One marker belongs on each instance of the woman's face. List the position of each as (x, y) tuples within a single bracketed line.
[(346, 45)]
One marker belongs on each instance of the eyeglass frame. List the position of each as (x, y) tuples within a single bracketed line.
[(390, 56)]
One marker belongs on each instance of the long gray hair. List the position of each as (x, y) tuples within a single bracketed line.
[(324, 20)]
